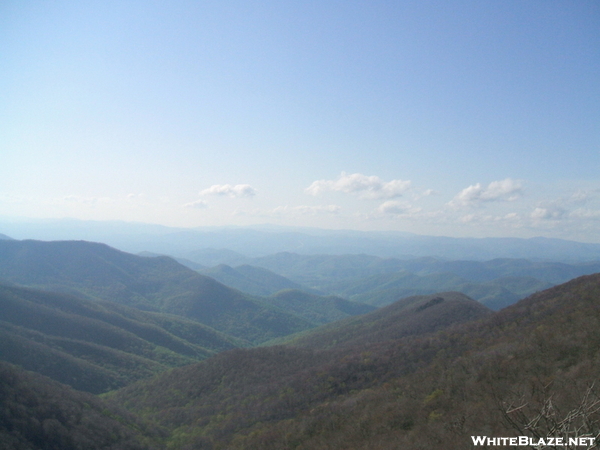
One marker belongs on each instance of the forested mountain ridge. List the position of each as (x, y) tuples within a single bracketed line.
[(317, 308), (159, 284), (409, 316), (97, 346), (419, 391)]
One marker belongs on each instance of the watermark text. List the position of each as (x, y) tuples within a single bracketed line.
[(533, 442)]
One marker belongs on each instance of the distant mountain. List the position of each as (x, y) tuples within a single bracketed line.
[(286, 295), (488, 377), (97, 346), (5, 237), (264, 240), (211, 257), (40, 414), (159, 284), (380, 281), (319, 270), (381, 290), (482, 271)]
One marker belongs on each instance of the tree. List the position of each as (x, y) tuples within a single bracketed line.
[(549, 420)]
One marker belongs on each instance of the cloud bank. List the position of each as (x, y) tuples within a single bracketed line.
[(369, 187)]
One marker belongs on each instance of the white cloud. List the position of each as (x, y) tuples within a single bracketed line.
[(371, 187), (198, 204), (239, 190), (504, 190)]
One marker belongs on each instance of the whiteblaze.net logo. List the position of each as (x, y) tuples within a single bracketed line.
[(533, 442)]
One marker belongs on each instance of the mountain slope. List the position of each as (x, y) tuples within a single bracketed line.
[(250, 279), (154, 284), (316, 308), (428, 390), (97, 346), (259, 385), (410, 316)]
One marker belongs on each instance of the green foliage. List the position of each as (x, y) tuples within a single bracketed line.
[(96, 346)]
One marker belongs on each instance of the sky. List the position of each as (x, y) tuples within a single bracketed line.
[(457, 118)]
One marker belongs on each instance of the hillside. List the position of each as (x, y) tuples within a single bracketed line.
[(97, 346), (410, 316), (40, 414), (317, 308), (432, 390), (158, 284)]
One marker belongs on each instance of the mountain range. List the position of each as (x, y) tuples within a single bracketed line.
[(178, 359), (96, 318)]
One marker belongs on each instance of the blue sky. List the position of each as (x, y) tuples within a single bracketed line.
[(458, 118)]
